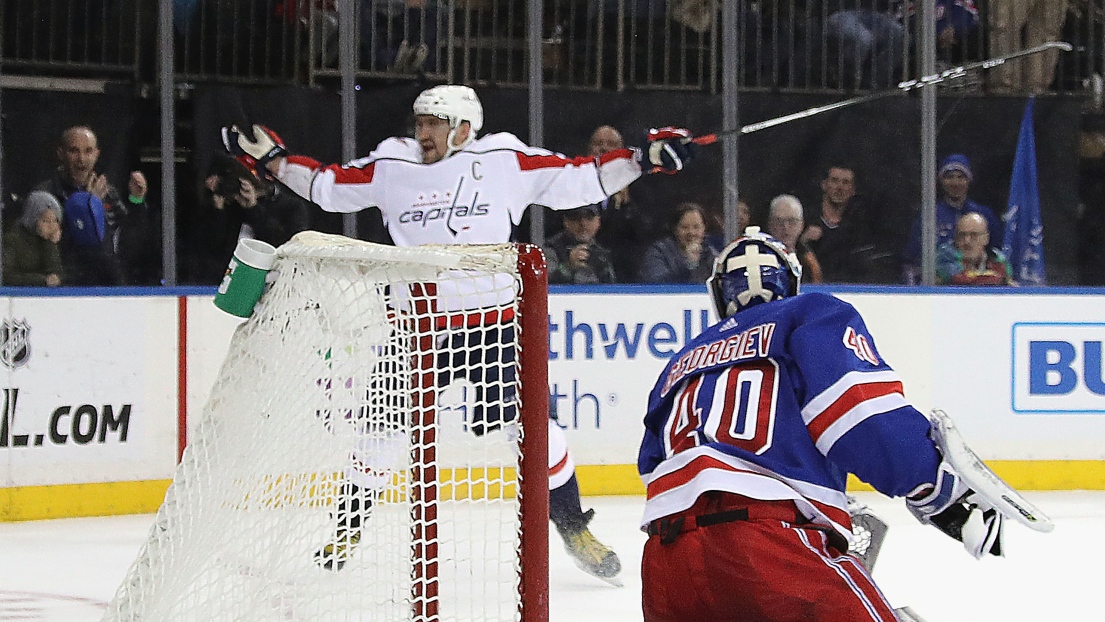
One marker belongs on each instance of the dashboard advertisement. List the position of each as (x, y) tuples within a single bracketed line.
[(91, 385), (89, 390)]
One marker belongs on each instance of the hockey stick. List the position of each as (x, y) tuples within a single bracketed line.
[(903, 87)]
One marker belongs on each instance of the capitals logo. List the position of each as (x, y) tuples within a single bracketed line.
[(446, 206), (15, 347)]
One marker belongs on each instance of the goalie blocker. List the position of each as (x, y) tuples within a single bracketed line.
[(969, 502)]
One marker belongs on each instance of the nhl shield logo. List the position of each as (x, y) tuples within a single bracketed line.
[(15, 348)]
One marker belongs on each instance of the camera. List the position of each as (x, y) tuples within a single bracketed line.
[(229, 174)]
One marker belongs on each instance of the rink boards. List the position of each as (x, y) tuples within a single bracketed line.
[(101, 386)]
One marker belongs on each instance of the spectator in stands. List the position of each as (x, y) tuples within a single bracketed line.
[(31, 255), (573, 255), (683, 256), (744, 217), (237, 204), (78, 153), (955, 181), (870, 42), (1019, 24), (956, 25), (140, 235), (871, 39), (403, 35), (625, 227), (841, 237), (785, 221), (394, 35), (968, 259)]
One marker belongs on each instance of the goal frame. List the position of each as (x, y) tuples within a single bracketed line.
[(225, 475), (534, 462), (533, 395)]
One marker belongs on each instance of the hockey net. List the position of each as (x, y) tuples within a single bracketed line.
[(374, 390)]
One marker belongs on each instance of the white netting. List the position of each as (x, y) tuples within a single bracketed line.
[(368, 375)]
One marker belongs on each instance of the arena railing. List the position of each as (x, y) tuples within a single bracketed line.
[(785, 45), (74, 38)]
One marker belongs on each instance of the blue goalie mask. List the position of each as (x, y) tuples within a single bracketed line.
[(753, 269)]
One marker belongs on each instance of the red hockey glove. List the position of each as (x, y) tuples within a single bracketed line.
[(254, 149)]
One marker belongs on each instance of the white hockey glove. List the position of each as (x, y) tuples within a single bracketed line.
[(669, 149), (255, 148), (959, 512)]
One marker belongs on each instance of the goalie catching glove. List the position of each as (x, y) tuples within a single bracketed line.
[(668, 149), (255, 149), (969, 502), (959, 512)]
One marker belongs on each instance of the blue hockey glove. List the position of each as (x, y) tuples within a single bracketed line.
[(669, 149)]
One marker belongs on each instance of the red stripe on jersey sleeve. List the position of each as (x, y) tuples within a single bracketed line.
[(616, 154), (559, 466), (532, 162), (854, 396), (353, 175)]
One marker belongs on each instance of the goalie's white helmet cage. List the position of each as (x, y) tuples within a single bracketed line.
[(455, 103)]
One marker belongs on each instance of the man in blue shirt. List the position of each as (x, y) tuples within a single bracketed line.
[(955, 178)]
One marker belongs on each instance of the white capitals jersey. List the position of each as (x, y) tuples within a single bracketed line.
[(470, 197), (473, 196)]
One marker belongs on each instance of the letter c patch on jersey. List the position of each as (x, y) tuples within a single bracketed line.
[(859, 346)]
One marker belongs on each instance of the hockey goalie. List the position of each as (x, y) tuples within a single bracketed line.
[(751, 431)]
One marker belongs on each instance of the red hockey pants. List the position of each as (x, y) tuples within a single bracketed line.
[(736, 559)]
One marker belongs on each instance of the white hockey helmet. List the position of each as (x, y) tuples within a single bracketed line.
[(454, 103), (754, 268)]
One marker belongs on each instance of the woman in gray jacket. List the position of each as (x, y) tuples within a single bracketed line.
[(683, 256)]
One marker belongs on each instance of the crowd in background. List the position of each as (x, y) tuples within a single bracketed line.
[(79, 228), (838, 235), (76, 228)]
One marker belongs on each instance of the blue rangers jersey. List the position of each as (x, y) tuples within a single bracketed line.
[(782, 401)]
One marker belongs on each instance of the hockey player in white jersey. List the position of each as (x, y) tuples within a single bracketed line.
[(446, 185)]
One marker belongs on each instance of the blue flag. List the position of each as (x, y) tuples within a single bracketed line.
[(1024, 229)]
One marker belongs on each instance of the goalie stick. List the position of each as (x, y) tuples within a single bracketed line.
[(902, 87), (978, 477)]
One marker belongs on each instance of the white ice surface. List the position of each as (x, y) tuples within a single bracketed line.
[(68, 569)]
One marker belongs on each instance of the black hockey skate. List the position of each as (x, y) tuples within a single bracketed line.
[(354, 505), (590, 555), (334, 555)]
